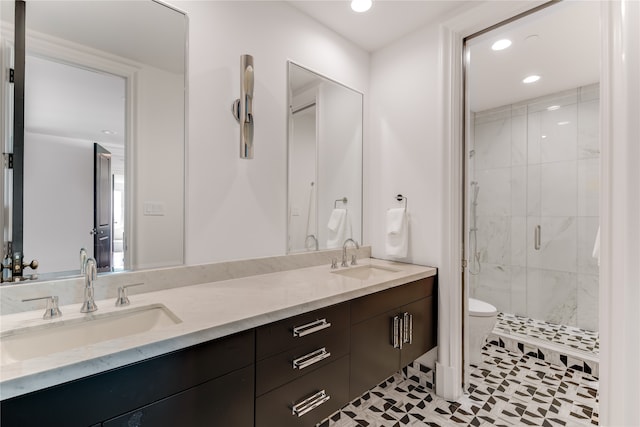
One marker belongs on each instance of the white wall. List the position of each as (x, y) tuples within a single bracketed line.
[(159, 173), (405, 152), (237, 208)]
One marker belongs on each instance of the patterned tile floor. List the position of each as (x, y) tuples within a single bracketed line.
[(573, 337), (507, 389)]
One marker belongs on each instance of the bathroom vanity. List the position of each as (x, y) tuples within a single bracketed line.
[(281, 349)]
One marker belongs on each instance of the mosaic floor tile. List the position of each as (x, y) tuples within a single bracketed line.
[(506, 389)]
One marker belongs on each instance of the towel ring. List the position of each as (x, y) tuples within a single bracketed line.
[(401, 198), (343, 200)]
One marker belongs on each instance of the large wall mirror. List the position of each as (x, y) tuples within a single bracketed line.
[(104, 134), (325, 162)]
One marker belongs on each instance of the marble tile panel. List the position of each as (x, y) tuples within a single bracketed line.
[(589, 93), (519, 139), (559, 189), (493, 285), (492, 115), (494, 239), (519, 241), (518, 290), (589, 187), (534, 137), (534, 202), (588, 299), (492, 144), (552, 296), (589, 129), (587, 231), (559, 243), (494, 197), (519, 190), (561, 99), (559, 134)]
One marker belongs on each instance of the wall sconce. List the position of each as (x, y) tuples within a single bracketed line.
[(243, 107)]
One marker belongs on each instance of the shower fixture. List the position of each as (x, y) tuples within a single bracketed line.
[(474, 268), (242, 108)]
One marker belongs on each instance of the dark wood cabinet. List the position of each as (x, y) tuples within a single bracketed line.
[(294, 372), (292, 405), (381, 346), (225, 401), (101, 397)]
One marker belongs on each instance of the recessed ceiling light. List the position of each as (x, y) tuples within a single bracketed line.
[(553, 108), (109, 132), (563, 123), (501, 44), (361, 5), (531, 79)]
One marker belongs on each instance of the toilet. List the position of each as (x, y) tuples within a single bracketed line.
[(482, 318)]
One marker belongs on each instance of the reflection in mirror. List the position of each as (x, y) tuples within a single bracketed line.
[(325, 162), (104, 135)]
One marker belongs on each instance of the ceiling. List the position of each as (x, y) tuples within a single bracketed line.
[(560, 44), (385, 22)]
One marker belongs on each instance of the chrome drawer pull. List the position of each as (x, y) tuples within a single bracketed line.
[(396, 341), (311, 358), (407, 322), (310, 403), (309, 328)]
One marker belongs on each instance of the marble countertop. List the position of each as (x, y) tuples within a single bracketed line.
[(207, 311)]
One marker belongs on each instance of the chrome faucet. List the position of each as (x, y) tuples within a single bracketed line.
[(83, 260), (90, 274), (344, 252), (315, 241)]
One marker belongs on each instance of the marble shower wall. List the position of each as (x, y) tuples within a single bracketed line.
[(536, 163)]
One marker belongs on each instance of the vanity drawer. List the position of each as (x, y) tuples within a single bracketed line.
[(275, 409), (371, 305), (308, 328), (279, 369)]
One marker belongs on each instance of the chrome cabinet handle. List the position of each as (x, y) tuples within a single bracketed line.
[(407, 333), (310, 403), (537, 239), (396, 332), (311, 358), (310, 328)]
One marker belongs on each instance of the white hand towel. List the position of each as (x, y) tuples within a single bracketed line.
[(397, 233), (336, 219), (339, 228)]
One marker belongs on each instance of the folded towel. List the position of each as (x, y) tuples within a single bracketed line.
[(339, 228), (336, 219), (395, 220), (596, 247), (397, 235)]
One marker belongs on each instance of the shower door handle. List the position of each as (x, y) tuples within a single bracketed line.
[(536, 239)]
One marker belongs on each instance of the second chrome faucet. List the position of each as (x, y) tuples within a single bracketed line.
[(90, 275)]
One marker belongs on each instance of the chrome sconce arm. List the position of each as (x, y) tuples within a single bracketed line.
[(242, 108)]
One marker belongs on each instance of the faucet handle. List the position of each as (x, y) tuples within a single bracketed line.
[(354, 259), (52, 311), (123, 299), (334, 263)]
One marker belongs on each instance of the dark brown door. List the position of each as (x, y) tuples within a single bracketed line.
[(102, 208)]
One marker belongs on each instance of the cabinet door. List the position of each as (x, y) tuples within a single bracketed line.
[(373, 357), (423, 331), (225, 401), (315, 395)]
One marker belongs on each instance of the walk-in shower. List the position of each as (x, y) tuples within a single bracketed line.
[(532, 186)]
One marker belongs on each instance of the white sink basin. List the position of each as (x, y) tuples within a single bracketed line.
[(60, 335), (366, 272)]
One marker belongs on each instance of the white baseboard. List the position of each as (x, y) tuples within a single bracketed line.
[(448, 385)]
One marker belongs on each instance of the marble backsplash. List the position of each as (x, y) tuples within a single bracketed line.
[(71, 290), (537, 164)]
